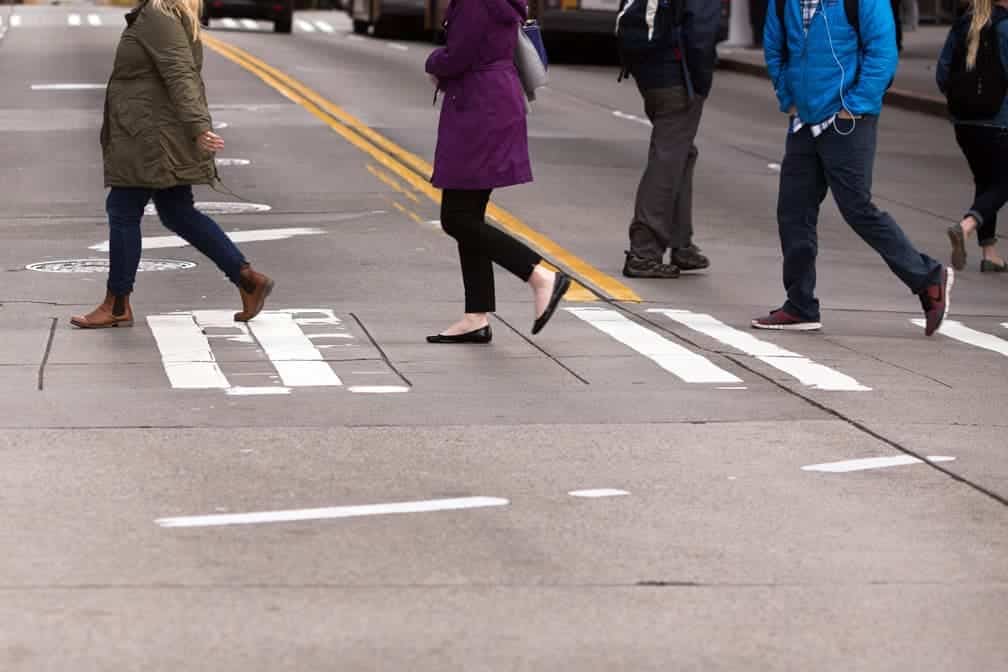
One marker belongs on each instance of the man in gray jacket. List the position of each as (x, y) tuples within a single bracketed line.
[(674, 78)]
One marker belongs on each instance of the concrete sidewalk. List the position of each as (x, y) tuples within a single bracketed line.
[(914, 88)]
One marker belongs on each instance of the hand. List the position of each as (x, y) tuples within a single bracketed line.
[(210, 142), (844, 114)]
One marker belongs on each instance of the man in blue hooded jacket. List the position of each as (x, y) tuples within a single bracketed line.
[(830, 79)]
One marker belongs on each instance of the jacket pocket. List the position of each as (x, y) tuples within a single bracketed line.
[(184, 158), (133, 115)]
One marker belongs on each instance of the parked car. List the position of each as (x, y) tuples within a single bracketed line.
[(280, 12), (386, 16)]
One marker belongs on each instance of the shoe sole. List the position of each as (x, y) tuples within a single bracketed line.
[(650, 276), (958, 241), (559, 291), (262, 304), (804, 326), (84, 325)]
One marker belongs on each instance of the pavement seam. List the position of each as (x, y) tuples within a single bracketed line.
[(381, 351), (45, 356), (542, 350)]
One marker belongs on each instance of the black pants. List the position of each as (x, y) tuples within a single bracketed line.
[(986, 150), (463, 217)]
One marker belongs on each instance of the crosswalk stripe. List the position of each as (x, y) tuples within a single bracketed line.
[(980, 339), (305, 26), (677, 360), (809, 373), (15, 21), (293, 355), (324, 27), (94, 20), (229, 23), (185, 353), (250, 24), (74, 19)]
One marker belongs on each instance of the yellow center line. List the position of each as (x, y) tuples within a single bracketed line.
[(411, 168)]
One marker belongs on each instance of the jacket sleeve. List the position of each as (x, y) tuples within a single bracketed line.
[(167, 43), (774, 48), (466, 32), (944, 66), (878, 59), (700, 29)]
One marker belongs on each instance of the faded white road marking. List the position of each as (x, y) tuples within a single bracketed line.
[(775, 167), (631, 117), (295, 358), (355, 38), (324, 27), (232, 162), (67, 87), (239, 391), (687, 365), (185, 353), (397, 46), (251, 236), (74, 19), (980, 339), (330, 513), (379, 389), (229, 23), (220, 125), (343, 335), (94, 20), (599, 492), (250, 24), (305, 26), (15, 21), (809, 373), (872, 463)]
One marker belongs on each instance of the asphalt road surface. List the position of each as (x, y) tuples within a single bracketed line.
[(325, 491)]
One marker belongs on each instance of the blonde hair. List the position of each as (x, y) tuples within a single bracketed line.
[(982, 10), (188, 11)]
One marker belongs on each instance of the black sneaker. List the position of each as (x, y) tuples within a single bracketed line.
[(640, 267), (690, 259), (935, 301)]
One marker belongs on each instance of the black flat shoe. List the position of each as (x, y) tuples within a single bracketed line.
[(484, 335), (560, 287), (988, 266)]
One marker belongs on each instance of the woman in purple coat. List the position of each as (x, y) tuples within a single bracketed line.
[(483, 145)]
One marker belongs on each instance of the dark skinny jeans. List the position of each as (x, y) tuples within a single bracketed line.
[(463, 217), (125, 208), (986, 151)]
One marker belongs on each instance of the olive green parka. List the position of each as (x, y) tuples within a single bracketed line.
[(156, 107)]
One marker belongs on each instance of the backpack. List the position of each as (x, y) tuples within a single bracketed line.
[(645, 27), (977, 94)]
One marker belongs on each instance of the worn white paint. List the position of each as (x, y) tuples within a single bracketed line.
[(598, 493), (304, 26), (15, 20), (67, 87), (74, 19), (229, 23), (340, 335), (250, 236), (94, 20), (426, 506), (378, 389), (224, 163), (872, 463), (980, 339), (185, 353), (239, 391), (250, 24), (397, 46), (293, 355), (774, 167), (631, 117), (809, 373), (687, 365), (324, 27), (220, 125)]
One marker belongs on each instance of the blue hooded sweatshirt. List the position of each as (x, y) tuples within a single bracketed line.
[(827, 69)]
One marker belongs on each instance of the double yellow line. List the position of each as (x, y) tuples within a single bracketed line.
[(414, 171)]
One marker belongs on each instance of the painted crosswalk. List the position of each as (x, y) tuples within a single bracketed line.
[(980, 339), (332, 24)]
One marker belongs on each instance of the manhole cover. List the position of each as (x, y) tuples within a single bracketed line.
[(220, 208), (233, 162), (102, 265)]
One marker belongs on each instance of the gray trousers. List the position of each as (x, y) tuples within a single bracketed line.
[(663, 215)]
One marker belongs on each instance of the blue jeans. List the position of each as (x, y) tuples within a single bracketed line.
[(125, 208), (843, 164)]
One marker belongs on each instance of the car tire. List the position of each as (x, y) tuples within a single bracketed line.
[(360, 27), (284, 24)]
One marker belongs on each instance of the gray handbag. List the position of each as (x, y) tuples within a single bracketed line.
[(529, 61)]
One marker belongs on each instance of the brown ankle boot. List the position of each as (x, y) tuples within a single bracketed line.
[(254, 288), (114, 311)]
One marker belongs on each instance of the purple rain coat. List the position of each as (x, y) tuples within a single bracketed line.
[(482, 136)]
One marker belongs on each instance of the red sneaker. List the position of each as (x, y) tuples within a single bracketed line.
[(781, 320), (935, 301)]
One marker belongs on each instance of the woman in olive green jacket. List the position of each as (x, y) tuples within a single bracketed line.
[(157, 141)]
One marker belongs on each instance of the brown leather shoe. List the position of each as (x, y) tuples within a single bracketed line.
[(254, 288), (114, 311)]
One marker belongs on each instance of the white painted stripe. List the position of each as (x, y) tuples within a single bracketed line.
[(94, 20), (255, 235), (295, 358), (872, 463), (980, 339), (232, 162), (74, 19), (305, 26), (220, 125), (774, 167), (427, 506), (809, 373), (15, 21), (229, 23), (324, 27), (185, 353), (379, 389), (1005, 325), (599, 492), (397, 46), (250, 24), (670, 356), (67, 87), (328, 335), (355, 38), (239, 391), (631, 117)]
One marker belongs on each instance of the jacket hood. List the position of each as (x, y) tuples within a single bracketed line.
[(505, 11)]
